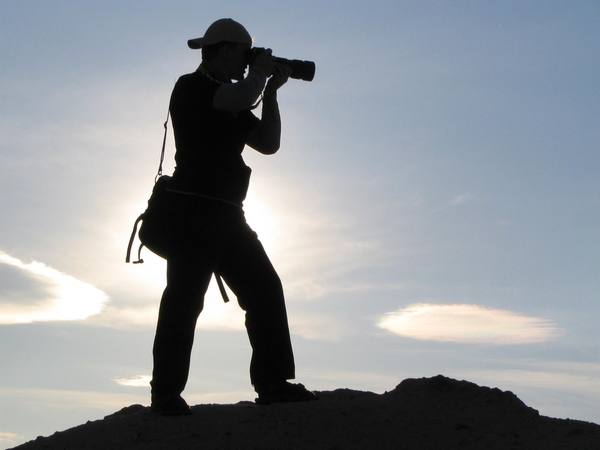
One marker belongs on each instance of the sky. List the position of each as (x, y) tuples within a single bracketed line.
[(433, 209)]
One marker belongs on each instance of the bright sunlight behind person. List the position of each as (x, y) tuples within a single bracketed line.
[(261, 220)]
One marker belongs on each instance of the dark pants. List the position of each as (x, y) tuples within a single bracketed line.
[(211, 236)]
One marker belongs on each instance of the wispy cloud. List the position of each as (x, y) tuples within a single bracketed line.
[(318, 327), (9, 439), (461, 199), (136, 381), (468, 324), (34, 292)]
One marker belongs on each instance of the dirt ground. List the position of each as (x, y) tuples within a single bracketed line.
[(428, 413)]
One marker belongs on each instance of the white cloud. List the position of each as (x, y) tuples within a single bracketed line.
[(136, 381), (45, 294), (468, 324)]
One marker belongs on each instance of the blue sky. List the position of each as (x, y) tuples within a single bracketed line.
[(433, 209)]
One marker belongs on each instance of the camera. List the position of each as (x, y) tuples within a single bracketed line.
[(301, 70)]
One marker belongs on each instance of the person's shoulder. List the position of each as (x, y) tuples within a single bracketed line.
[(189, 78), (196, 77), (196, 82), (193, 88)]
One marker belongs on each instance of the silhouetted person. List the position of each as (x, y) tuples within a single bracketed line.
[(212, 123)]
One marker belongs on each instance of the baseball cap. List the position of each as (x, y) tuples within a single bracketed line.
[(223, 30)]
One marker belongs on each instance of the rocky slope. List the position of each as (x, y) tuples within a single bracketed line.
[(427, 413)]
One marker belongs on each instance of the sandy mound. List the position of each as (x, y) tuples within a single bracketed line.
[(428, 413)]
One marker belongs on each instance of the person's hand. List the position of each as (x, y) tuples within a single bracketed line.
[(264, 61), (281, 74)]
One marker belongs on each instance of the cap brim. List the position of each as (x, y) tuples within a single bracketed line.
[(195, 44)]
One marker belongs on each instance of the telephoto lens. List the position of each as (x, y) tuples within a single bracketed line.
[(301, 70)]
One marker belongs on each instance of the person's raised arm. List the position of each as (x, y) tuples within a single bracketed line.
[(266, 137), (241, 95)]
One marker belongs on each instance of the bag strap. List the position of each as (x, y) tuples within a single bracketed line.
[(141, 217), (131, 239), (162, 152), (159, 173), (221, 287)]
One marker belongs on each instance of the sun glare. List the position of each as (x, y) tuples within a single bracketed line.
[(218, 315), (261, 220)]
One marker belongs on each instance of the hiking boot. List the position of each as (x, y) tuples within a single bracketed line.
[(283, 392), (170, 405)]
